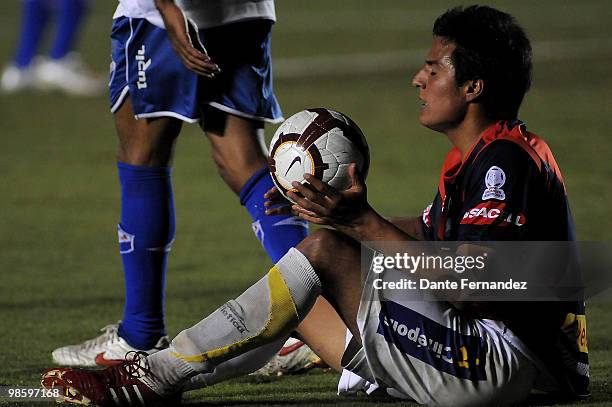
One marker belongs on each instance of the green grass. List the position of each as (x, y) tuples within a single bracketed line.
[(62, 278)]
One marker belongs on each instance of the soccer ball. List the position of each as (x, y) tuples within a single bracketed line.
[(321, 142)]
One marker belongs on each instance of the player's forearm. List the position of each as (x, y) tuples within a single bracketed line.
[(410, 225), (371, 226)]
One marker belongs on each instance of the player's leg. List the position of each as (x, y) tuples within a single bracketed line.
[(238, 154), (158, 90), (257, 319), (269, 310), (69, 17), (18, 75), (236, 104), (63, 70), (146, 228)]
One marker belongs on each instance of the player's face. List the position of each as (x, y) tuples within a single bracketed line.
[(443, 103)]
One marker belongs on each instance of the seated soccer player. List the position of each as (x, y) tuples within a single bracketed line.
[(471, 86)]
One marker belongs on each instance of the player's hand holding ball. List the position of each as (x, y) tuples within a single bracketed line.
[(318, 160)]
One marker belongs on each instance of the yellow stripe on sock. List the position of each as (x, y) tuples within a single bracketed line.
[(282, 320)]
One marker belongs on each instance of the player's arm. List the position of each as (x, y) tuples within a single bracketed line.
[(411, 226), (277, 205), (183, 36), (347, 211)]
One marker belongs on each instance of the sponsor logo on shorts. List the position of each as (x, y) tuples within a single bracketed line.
[(494, 181), (143, 65), (446, 350)]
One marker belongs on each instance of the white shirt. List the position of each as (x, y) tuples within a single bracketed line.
[(205, 13)]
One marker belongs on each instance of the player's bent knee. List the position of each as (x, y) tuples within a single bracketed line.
[(321, 248)]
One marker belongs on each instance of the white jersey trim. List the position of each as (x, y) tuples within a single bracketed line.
[(238, 113)]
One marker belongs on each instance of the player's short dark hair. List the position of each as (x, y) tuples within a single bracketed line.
[(492, 46)]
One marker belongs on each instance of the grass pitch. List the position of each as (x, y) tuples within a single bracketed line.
[(61, 275)]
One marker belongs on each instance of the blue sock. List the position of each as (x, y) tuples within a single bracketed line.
[(69, 16), (146, 232), (35, 15), (277, 234)]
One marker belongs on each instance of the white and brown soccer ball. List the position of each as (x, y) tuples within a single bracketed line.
[(321, 142)]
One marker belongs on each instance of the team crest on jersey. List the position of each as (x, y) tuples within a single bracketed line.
[(494, 181), (126, 241)]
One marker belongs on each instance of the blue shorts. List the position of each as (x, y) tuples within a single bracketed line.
[(145, 67)]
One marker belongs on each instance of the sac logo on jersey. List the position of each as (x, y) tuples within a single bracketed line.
[(494, 181), (447, 350), (488, 213)]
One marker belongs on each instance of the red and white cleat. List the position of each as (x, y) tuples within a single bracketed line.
[(126, 384), (293, 358)]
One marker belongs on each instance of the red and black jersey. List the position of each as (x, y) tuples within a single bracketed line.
[(510, 188)]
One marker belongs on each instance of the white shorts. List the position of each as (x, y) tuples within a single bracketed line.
[(435, 355)]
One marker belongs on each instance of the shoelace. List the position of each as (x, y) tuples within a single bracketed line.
[(109, 335), (136, 364)]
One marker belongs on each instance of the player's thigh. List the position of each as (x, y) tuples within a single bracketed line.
[(237, 146), (146, 142), (234, 138), (149, 83)]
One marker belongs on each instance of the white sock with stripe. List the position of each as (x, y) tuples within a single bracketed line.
[(266, 312)]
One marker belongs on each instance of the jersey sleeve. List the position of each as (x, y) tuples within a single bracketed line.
[(496, 194)]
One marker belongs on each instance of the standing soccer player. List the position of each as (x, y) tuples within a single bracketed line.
[(471, 86), (154, 89)]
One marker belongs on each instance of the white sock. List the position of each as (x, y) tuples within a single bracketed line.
[(266, 312)]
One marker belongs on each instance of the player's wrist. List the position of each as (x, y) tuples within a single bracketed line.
[(364, 221)]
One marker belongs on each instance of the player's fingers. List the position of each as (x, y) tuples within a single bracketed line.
[(272, 193), (312, 219), (310, 200), (201, 59), (198, 66), (278, 210), (310, 194), (312, 207), (355, 176), (308, 216), (319, 185)]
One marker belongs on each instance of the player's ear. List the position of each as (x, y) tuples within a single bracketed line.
[(473, 89)]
